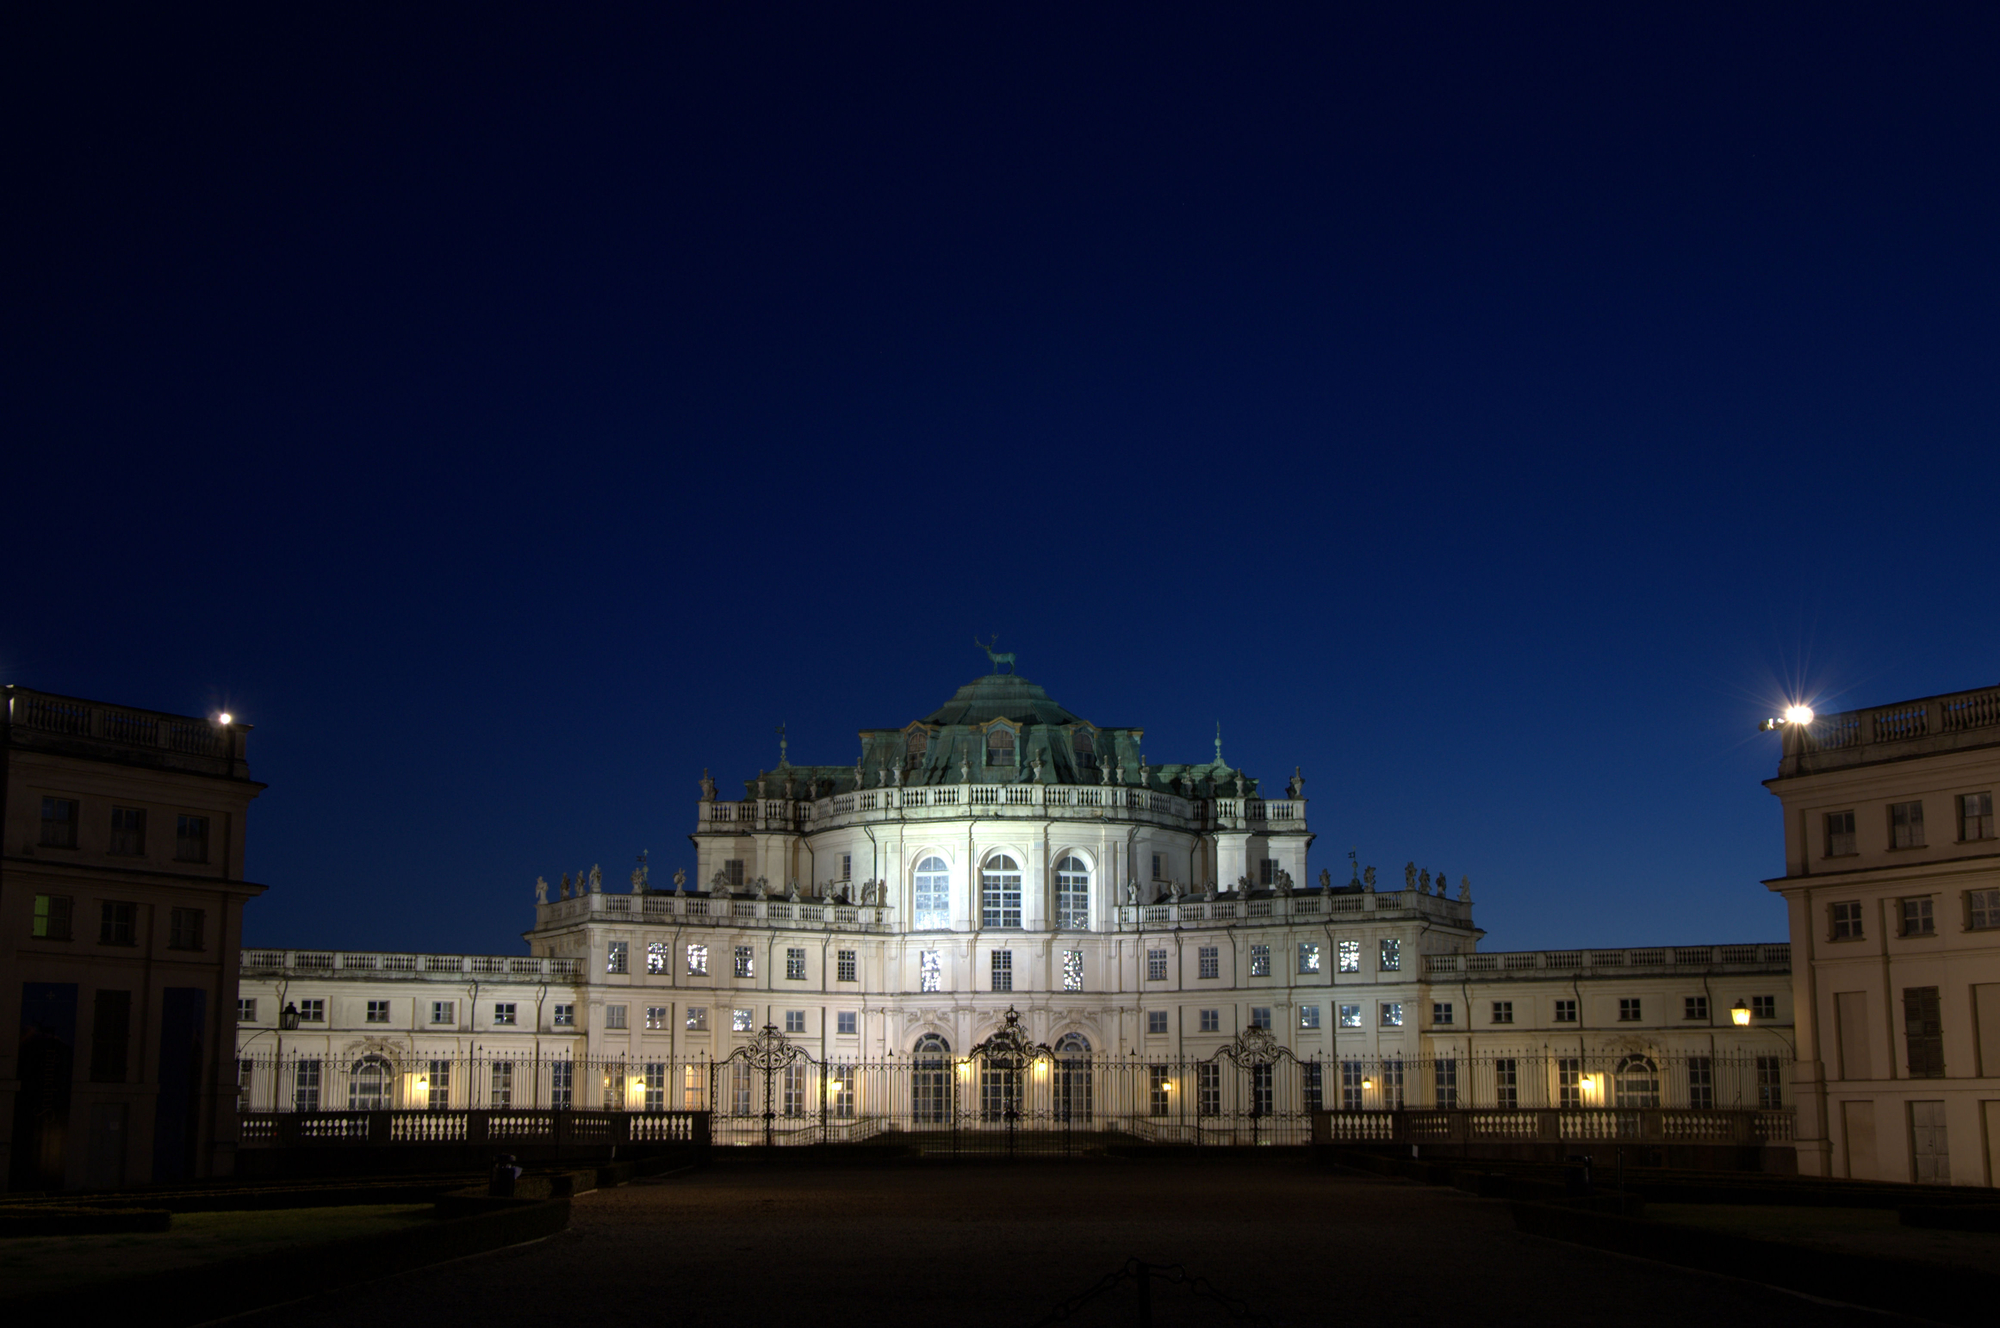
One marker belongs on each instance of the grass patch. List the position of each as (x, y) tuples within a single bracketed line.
[(35, 1265)]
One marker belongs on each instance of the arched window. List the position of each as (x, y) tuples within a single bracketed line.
[(930, 1080), (368, 1085), (1000, 746), (915, 749), (1073, 894), (1636, 1083), (933, 891), (1085, 746), (1072, 1086), (1000, 893)]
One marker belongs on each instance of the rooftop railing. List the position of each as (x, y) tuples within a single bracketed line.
[(710, 911), (1854, 737), (1308, 905), (1637, 962), (949, 801), (163, 738), (418, 967)]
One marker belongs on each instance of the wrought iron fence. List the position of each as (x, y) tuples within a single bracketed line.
[(1006, 1094)]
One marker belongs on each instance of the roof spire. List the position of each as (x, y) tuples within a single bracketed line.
[(1218, 742), (782, 760)]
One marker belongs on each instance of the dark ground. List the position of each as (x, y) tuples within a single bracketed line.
[(976, 1245)]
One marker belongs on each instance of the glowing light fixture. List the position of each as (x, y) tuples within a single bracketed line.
[(1799, 714), (225, 718), (1739, 1013), (1367, 1084)]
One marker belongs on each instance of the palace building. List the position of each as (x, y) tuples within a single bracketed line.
[(1155, 933)]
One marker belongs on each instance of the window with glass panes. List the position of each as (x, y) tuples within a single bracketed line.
[(614, 1016), (1906, 825), (1308, 956), (656, 956), (1569, 1081), (696, 1020), (1763, 1007), (1208, 1089), (615, 956), (1348, 954), (1982, 909), (306, 1084), (1351, 1075), (59, 823), (1156, 1022), (1159, 1097), (502, 1092), (444, 1012), (1392, 956), (1975, 816), (1445, 1077), (1211, 1021), (1000, 892), (1629, 1009), (1392, 1014), (933, 894), (795, 964), (697, 961), (1770, 1083), (1156, 965), (1260, 961), (743, 1021), (1260, 1016), (186, 928), (503, 1012), (52, 917), (562, 1085), (1506, 1083), (1350, 1016), (1565, 1012), (795, 1021), (1003, 970), (930, 970), (1840, 834), (844, 1023), (1072, 970), (562, 1015), (1701, 1083), (1845, 920), (377, 1012), (191, 839), (1308, 1016), (128, 832), (1309, 1085), (1072, 894), (246, 1009), (1209, 959), (1441, 1012), (117, 923), (843, 966), (656, 1017), (1694, 1007), (746, 961), (1923, 1029), (1503, 1012), (1917, 917)]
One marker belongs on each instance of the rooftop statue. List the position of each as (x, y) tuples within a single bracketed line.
[(1004, 657), (541, 889), (1325, 878), (1297, 788), (639, 875), (565, 885), (1409, 876), (1424, 881), (1465, 889), (1368, 879), (707, 786), (680, 878), (596, 880)]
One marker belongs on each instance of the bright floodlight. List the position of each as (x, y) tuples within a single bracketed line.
[(226, 718), (1739, 1013), (1799, 714)]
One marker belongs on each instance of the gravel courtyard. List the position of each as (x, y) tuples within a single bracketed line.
[(746, 1243)]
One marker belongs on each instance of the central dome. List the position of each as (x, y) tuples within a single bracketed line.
[(1000, 696)]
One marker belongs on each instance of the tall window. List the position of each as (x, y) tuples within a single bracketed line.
[(840, 1091), (1210, 959), (1840, 834), (933, 883), (1923, 1027), (1072, 1087), (1569, 1082), (191, 839), (843, 965), (1846, 921), (1770, 1083), (1350, 956), (562, 1084), (1906, 825), (1000, 893), (1392, 956), (1308, 956), (1260, 961), (1156, 965), (58, 822), (930, 1080), (1701, 1083), (746, 961), (305, 1085), (1084, 744), (1159, 1097), (1072, 970), (697, 961), (1506, 1083), (732, 872), (1351, 1076), (1072, 894), (128, 832), (616, 956), (502, 1085), (656, 1086), (368, 1085), (847, 866), (915, 747), (999, 745), (437, 1086), (1003, 970), (1445, 1075), (1982, 909), (1309, 1085), (795, 964), (656, 956), (1975, 816), (930, 971), (1208, 1089), (1636, 1083), (1267, 872), (185, 927), (1392, 1083)]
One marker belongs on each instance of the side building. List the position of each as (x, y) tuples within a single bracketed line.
[(121, 904), (1892, 879)]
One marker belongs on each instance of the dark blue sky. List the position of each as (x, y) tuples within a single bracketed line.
[(1494, 411)]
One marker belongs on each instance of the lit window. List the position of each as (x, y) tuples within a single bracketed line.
[(1003, 970), (1917, 919), (1392, 1014), (1156, 1022), (191, 839), (1260, 1016), (746, 961), (1072, 894), (1906, 825), (1260, 961), (1975, 816), (1846, 919), (933, 889), (1763, 1007), (1982, 908), (1156, 965), (844, 1022), (696, 1020), (615, 957), (1441, 1012), (1695, 1007), (1503, 1012), (1072, 970), (1629, 1009), (1000, 893), (843, 966), (1308, 1016), (656, 1018), (795, 1021), (563, 1016), (1565, 1012), (656, 956), (58, 823), (1308, 956), (377, 1012), (1350, 1016), (1210, 959), (743, 1021), (697, 961), (999, 745), (614, 1016), (444, 1012), (246, 1009), (795, 964), (503, 1012), (1840, 834), (1392, 956), (52, 917), (1350, 956), (930, 971), (128, 832)]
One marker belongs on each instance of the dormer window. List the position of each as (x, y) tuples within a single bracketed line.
[(1000, 746), (1086, 748), (915, 748)]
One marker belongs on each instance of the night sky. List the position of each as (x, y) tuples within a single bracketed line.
[(1494, 410)]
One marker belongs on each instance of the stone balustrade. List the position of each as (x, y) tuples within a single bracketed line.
[(1042, 801), (1306, 905), (1908, 728), (182, 742), (1669, 959), (713, 911), (416, 967)]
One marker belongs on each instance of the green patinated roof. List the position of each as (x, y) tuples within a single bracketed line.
[(1000, 696)]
